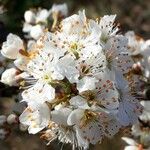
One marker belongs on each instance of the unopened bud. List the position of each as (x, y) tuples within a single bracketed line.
[(23, 127), (36, 31), (29, 16), (9, 76), (12, 118), (3, 133)]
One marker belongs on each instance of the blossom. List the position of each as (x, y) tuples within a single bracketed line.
[(128, 106), (36, 116), (10, 77), (11, 47), (75, 79), (35, 22)]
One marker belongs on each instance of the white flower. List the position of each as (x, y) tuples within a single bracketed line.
[(92, 130), (10, 77), (117, 54), (11, 47), (87, 133), (90, 70), (36, 116), (29, 16), (44, 65), (78, 45)]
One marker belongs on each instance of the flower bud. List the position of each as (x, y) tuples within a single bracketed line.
[(29, 16), (42, 16), (23, 127), (9, 77), (61, 10), (36, 31), (11, 47), (3, 133), (2, 119), (12, 118)]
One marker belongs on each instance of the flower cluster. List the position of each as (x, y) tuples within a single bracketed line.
[(75, 81), (37, 20)]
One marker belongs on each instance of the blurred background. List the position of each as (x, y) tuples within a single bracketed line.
[(131, 14)]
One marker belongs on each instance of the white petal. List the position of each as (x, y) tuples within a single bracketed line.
[(79, 102), (131, 148), (129, 141), (60, 116), (75, 116), (86, 83)]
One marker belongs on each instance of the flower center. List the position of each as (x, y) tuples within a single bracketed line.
[(74, 49), (47, 78), (87, 117)]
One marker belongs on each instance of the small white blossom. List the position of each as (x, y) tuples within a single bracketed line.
[(11, 47), (10, 77), (29, 16), (12, 118), (36, 31), (36, 116)]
